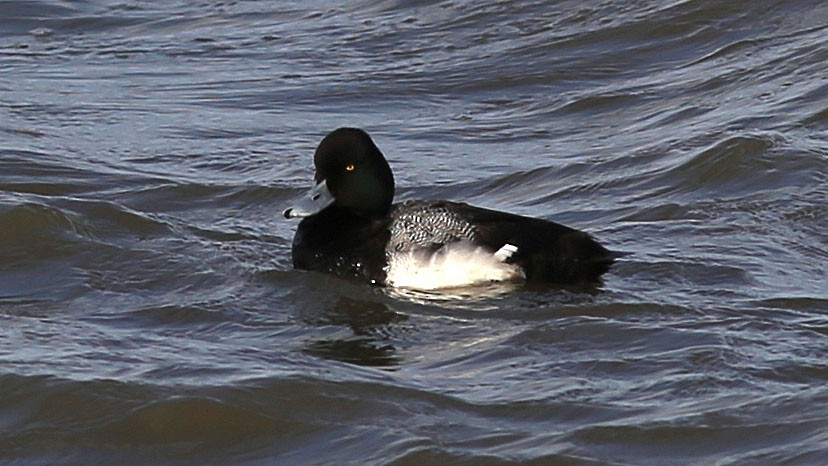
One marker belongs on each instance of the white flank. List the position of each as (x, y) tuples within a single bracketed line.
[(455, 265)]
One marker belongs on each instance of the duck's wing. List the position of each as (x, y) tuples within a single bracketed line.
[(545, 250)]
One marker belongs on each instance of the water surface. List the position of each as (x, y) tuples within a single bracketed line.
[(149, 313)]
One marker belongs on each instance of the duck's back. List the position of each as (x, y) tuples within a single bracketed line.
[(538, 250)]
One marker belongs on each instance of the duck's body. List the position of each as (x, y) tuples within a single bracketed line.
[(352, 229)]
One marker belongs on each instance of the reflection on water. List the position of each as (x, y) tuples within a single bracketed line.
[(370, 344), (358, 350), (473, 298)]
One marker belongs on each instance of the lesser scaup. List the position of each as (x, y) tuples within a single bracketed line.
[(350, 228)]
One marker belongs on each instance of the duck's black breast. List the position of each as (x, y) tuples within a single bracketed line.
[(337, 241)]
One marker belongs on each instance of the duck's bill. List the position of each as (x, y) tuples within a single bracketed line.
[(311, 203)]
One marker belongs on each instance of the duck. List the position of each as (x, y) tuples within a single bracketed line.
[(350, 227)]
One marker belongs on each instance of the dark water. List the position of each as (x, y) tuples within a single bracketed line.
[(149, 313)]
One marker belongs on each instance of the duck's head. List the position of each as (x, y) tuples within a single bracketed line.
[(351, 173)]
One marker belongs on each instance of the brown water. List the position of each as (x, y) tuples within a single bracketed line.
[(149, 313)]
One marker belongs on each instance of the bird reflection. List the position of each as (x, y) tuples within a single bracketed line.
[(359, 351), (370, 346)]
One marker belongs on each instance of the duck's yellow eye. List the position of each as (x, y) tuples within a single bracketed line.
[(350, 167)]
